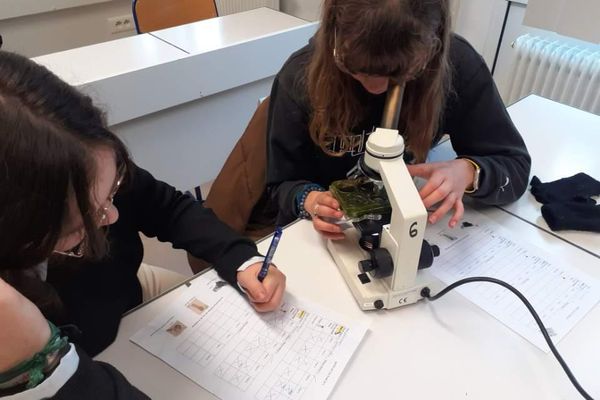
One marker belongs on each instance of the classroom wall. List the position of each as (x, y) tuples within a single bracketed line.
[(49, 32), (573, 18), (66, 28), (37, 34), (309, 10), (480, 22), (471, 20)]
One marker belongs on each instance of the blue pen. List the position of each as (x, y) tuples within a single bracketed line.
[(265, 267)]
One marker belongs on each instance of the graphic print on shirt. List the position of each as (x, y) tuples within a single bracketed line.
[(353, 144)]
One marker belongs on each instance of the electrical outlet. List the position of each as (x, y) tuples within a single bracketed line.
[(122, 23)]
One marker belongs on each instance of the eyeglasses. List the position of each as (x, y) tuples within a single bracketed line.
[(103, 210), (102, 216), (75, 252)]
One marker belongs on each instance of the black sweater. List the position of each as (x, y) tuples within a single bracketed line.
[(96, 380), (96, 294), (474, 117)]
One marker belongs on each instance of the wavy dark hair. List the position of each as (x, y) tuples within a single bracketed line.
[(402, 39), (48, 131)]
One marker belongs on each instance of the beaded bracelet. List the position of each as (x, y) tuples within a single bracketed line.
[(301, 196), (33, 370)]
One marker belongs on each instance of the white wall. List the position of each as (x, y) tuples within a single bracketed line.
[(19, 8), (514, 29), (49, 32), (573, 18), (480, 22), (309, 10)]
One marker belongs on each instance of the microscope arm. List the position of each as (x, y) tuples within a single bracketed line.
[(403, 237)]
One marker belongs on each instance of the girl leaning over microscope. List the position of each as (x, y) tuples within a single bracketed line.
[(329, 97)]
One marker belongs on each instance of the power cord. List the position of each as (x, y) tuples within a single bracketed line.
[(426, 293)]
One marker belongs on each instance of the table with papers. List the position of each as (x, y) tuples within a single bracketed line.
[(452, 348)]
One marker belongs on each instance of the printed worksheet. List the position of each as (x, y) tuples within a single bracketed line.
[(213, 336), (560, 294)]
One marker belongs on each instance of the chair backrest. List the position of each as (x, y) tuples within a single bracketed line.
[(241, 182), (235, 195), (152, 15)]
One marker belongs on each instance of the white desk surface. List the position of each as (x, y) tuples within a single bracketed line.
[(448, 349), (140, 75), (100, 61), (200, 37), (562, 141), (117, 57)]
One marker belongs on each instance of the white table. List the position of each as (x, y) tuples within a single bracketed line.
[(562, 141), (139, 75), (215, 33), (124, 76), (448, 349)]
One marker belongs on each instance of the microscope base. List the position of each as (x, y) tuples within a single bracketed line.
[(377, 293)]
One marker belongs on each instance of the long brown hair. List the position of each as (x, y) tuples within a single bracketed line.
[(384, 38), (48, 132)]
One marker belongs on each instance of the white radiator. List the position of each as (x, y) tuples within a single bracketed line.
[(556, 70), (225, 7)]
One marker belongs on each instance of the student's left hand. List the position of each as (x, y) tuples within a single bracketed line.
[(446, 184), (266, 295)]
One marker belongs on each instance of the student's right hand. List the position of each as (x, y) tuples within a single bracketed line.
[(23, 329), (267, 295), (323, 205)]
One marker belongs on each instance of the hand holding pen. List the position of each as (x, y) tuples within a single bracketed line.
[(264, 285), (270, 253)]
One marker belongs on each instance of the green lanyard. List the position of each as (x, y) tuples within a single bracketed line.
[(35, 366)]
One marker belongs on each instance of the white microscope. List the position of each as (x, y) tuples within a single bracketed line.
[(385, 276)]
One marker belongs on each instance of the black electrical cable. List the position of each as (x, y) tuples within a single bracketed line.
[(426, 293)]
